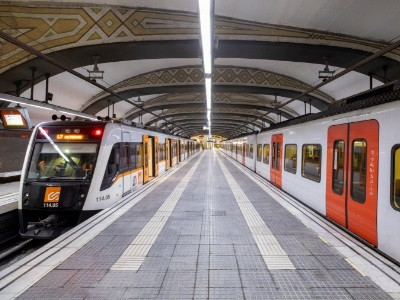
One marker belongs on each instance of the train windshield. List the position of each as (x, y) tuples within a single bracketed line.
[(62, 161)]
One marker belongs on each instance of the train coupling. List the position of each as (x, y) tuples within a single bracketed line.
[(48, 228)]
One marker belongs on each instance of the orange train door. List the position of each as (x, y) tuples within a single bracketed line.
[(167, 154), (145, 139), (156, 156), (244, 154), (276, 155), (352, 174)]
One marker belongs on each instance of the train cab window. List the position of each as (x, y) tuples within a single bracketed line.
[(396, 177), (266, 154), (112, 168), (290, 158), (65, 161), (358, 170), (338, 167), (311, 162), (259, 152)]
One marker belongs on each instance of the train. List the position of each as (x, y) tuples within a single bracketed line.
[(74, 169), (343, 162)]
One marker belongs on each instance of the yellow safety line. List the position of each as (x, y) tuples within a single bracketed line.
[(8, 195), (355, 267)]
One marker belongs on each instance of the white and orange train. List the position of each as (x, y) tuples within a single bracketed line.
[(72, 170), (344, 163)]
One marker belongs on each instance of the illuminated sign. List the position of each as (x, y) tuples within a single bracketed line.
[(15, 118), (69, 136)]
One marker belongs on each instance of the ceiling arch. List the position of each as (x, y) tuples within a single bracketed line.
[(243, 100), (191, 78), (116, 33), (226, 111)]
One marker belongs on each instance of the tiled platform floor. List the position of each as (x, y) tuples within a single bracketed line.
[(206, 250)]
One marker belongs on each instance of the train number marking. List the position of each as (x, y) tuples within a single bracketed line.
[(50, 205), (103, 198)]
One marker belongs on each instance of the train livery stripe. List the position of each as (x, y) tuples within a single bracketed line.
[(135, 254), (272, 252)]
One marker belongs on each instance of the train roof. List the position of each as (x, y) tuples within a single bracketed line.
[(383, 94)]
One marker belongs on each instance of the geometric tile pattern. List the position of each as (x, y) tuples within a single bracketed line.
[(222, 76), (52, 27)]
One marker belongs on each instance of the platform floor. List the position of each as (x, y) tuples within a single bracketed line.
[(207, 232)]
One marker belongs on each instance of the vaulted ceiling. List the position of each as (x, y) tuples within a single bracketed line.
[(265, 52)]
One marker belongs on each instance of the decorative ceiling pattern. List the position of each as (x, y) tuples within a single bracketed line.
[(191, 76), (227, 111), (51, 28), (167, 101)]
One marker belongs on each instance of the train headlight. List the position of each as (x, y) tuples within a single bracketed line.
[(82, 195), (27, 195)]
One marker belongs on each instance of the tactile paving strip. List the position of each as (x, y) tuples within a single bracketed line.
[(135, 254), (273, 254)]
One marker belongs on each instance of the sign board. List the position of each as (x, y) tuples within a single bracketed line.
[(15, 118)]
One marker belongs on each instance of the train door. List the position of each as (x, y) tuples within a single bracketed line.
[(156, 155), (352, 177), (125, 163), (276, 157), (145, 139), (167, 154), (244, 154)]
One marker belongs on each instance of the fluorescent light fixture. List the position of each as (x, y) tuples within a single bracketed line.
[(208, 92), (209, 114), (53, 144), (205, 29)]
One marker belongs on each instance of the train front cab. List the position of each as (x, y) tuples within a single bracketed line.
[(57, 175), (352, 177)]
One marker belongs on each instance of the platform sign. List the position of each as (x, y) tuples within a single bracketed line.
[(15, 118)]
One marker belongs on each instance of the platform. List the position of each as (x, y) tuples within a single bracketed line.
[(8, 196), (208, 229)]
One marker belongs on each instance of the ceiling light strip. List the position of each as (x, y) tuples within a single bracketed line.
[(205, 14)]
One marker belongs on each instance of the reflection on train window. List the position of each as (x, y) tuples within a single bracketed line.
[(251, 151), (358, 170), (311, 162), (259, 152), (290, 158), (66, 161), (266, 154), (111, 168), (396, 177), (338, 167)]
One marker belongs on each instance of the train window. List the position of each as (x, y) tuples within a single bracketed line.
[(274, 155), (311, 162), (395, 201), (278, 156), (338, 167), (251, 151), (358, 170), (139, 158), (290, 158), (124, 155), (112, 168), (259, 152), (266, 154), (132, 160)]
